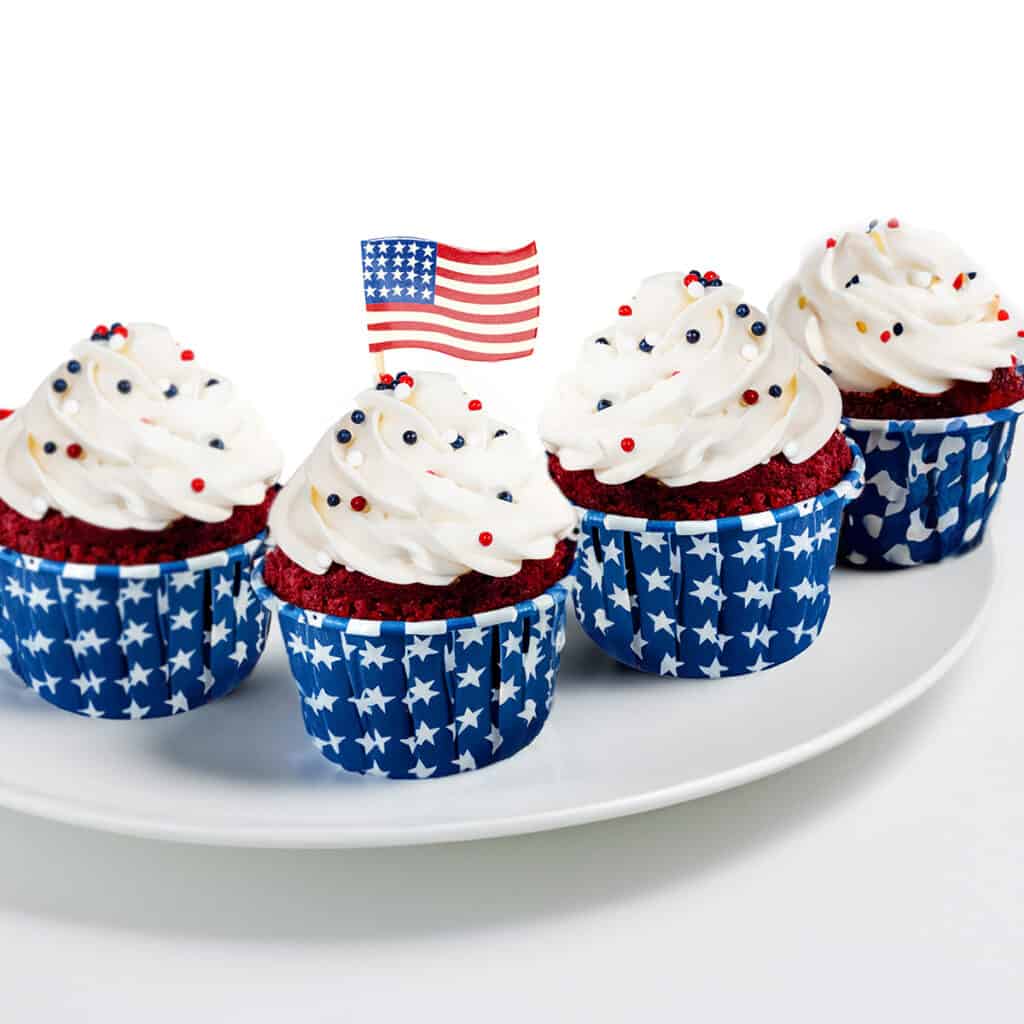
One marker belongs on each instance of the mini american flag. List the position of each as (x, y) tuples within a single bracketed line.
[(472, 305)]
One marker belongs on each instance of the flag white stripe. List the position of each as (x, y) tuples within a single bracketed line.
[(488, 309), (496, 348), (432, 316), (488, 269), (488, 289)]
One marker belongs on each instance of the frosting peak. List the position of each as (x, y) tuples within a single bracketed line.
[(131, 433), (690, 384), (896, 305), (418, 484)]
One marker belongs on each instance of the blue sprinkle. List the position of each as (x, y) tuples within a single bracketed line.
[(971, 275), (124, 386), (742, 310), (601, 341), (826, 369), (693, 337), (501, 433), (333, 500), (49, 447), (458, 442), (60, 385), (853, 280), (74, 366), (757, 328), (775, 391), (504, 496), (716, 283), (409, 437), (603, 404), (645, 345), (358, 416), (218, 444), (344, 436), (897, 329), (171, 391), (211, 382)]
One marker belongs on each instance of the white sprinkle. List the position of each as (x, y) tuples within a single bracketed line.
[(71, 407), (354, 459), (39, 506), (323, 559), (789, 449), (116, 342), (695, 288), (403, 391), (749, 352), (921, 278)]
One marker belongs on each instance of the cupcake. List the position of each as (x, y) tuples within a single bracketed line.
[(922, 350), (702, 447), (417, 565), (134, 494)]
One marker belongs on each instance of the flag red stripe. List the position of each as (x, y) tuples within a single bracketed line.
[(455, 314), (419, 325), (451, 350), (488, 259), (458, 275), (487, 300)]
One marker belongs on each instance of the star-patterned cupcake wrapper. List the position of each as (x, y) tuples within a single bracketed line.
[(930, 486), (709, 599), (132, 641), (418, 700)]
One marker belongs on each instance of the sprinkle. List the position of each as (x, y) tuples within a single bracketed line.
[(404, 378), (475, 405), (71, 407), (486, 539), (602, 404), (119, 330), (645, 345), (750, 397), (60, 385), (627, 444), (358, 503), (789, 449), (343, 436), (50, 447), (897, 328), (601, 341), (872, 226), (118, 341), (501, 433), (387, 380), (358, 415), (757, 328), (625, 310), (885, 336), (403, 390), (4, 413), (749, 352), (742, 310), (323, 559), (825, 368), (217, 443), (124, 386), (1020, 334), (212, 382), (862, 327), (958, 282), (100, 333), (695, 288), (802, 302), (853, 280), (333, 500), (354, 459), (409, 437), (714, 283), (39, 506), (171, 391), (1003, 315), (690, 278), (381, 386), (504, 495), (459, 442), (74, 366), (892, 223), (971, 275), (187, 355), (775, 391), (693, 336), (830, 243), (74, 451)]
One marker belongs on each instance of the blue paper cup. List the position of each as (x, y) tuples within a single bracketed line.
[(132, 641), (930, 486), (418, 700), (702, 600)]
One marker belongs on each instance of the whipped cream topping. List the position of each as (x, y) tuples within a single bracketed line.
[(690, 384), (131, 433), (418, 484), (896, 305)]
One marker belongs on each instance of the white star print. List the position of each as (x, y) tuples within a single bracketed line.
[(48, 682), (661, 622), (134, 633), (529, 712), (612, 552), (637, 645), (507, 690), (332, 741), (243, 602), (87, 640), (757, 592), (465, 762), (801, 544), (39, 597), (762, 635), (799, 632), (322, 701), (471, 677), (420, 647), (182, 580), (240, 653), (760, 665), (38, 642), (219, 633), (322, 654), (374, 742), (181, 661), (16, 590), (371, 697), (376, 770), (531, 659), (177, 703), (420, 691), (825, 533), (656, 581), (714, 670), (136, 711), (513, 644), (708, 590), (207, 678), (298, 646), (593, 568), (421, 771), (182, 619), (807, 590), (88, 681), (133, 590), (373, 654), (495, 738), (669, 666), (601, 621), (469, 719), (424, 734), (223, 588), (651, 540), (91, 711), (749, 549), (163, 602), (620, 597), (702, 546), (88, 599)]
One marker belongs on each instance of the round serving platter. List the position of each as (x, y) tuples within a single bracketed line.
[(242, 772)]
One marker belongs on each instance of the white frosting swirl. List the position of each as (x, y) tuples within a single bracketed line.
[(131, 433), (896, 305), (680, 372), (425, 469)]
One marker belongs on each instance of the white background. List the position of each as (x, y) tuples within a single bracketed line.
[(213, 167)]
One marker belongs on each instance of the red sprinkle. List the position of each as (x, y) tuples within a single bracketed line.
[(892, 223), (199, 485), (358, 503), (830, 243), (386, 378), (123, 331), (74, 451), (1020, 334), (750, 397), (627, 444), (4, 413), (885, 335), (689, 279), (475, 405), (625, 310), (958, 282), (406, 379), (101, 329), (710, 275), (187, 355), (1003, 315), (486, 539)]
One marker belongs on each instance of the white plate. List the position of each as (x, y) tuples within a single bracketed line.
[(241, 771)]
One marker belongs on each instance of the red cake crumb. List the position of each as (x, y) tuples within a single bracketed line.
[(353, 595), (65, 539), (962, 399), (772, 485)]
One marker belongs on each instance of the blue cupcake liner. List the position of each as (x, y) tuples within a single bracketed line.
[(418, 700), (930, 486), (705, 599), (132, 641)]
